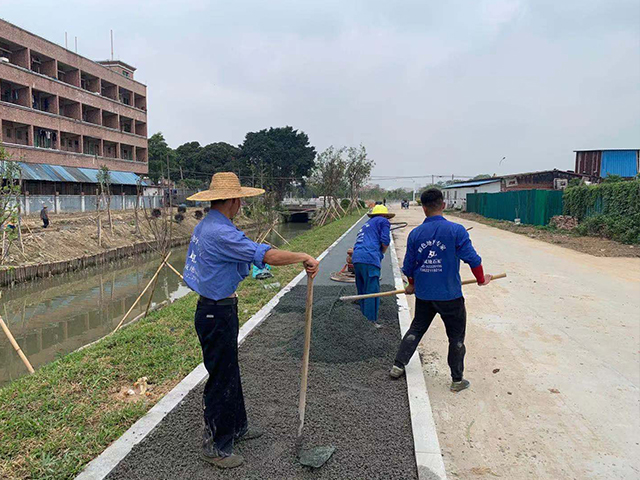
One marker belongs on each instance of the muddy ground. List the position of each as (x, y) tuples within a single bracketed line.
[(596, 246), (351, 402), (553, 360)]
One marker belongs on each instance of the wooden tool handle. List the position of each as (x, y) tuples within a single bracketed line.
[(493, 277), (302, 404), (401, 290)]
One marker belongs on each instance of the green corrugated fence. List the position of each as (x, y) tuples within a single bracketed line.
[(533, 207)]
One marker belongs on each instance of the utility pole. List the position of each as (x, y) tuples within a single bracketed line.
[(65, 41), (111, 45), (76, 44)]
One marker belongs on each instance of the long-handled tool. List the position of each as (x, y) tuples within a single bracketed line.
[(401, 290), (314, 457)]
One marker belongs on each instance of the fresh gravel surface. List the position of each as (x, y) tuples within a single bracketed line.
[(351, 402)]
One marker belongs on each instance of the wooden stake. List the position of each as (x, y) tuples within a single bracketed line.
[(278, 233), (143, 292), (22, 356), (174, 270), (153, 289)]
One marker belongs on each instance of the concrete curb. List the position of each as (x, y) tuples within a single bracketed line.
[(425, 437), (102, 465)]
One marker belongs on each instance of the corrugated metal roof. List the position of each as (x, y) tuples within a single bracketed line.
[(57, 173), (619, 162), (604, 149), (473, 184)]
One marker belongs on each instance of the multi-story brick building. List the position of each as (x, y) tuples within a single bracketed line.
[(60, 109)]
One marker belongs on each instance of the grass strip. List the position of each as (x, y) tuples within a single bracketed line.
[(52, 423)]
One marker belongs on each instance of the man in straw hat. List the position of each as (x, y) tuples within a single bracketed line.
[(371, 244), (218, 259)]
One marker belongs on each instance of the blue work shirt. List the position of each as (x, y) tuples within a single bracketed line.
[(219, 257), (373, 234), (434, 251)]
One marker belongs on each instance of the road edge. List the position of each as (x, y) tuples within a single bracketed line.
[(428, 454), (104, 463)]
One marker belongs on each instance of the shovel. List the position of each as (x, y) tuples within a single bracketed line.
[(314, 457)]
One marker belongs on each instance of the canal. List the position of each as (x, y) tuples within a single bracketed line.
[(55, 316)]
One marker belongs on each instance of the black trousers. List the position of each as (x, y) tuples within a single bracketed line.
[(224, 413), (454, 316), (45, 222)]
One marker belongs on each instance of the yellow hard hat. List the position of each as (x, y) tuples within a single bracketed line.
[(382, 211)]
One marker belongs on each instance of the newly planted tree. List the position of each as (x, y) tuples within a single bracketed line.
[(9, 202)]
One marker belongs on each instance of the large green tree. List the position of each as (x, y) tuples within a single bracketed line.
[(158, 152), (277, 158)]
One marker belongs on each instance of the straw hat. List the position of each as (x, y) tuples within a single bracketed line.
[(381, 211), (225, 185)]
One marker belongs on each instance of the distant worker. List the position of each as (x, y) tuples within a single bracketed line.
[(371, 244), (384, 202), (44, 216), (432, 264), (218, 259)]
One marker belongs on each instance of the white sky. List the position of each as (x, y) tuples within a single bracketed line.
[(427, 87)]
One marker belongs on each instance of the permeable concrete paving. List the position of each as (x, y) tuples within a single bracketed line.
[(351, 402)]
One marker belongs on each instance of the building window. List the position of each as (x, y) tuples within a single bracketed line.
[(125, 73)]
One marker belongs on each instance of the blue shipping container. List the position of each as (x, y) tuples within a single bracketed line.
[(619, 162)]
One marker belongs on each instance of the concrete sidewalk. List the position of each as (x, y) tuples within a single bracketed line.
[(351, 402)]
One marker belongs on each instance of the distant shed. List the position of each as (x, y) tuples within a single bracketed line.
[(602, 163)]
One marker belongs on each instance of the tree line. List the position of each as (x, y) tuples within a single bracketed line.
[(280, 160)]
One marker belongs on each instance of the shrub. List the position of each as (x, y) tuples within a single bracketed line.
[(344, 203), (178, 217), (611, 209), (198, 214), (182, 209)]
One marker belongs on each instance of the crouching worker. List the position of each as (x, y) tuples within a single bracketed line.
[(432, 264), (218, 259), (371, 244)]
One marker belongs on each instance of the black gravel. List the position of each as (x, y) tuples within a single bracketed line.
[(351, 402)]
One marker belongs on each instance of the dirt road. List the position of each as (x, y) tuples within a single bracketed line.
[(553, 360)]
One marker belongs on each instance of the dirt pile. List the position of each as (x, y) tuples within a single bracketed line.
[(563, 222)]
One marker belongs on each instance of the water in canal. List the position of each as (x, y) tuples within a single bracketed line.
[(54, 316)]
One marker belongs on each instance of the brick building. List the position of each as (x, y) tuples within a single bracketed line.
[(61, 110)]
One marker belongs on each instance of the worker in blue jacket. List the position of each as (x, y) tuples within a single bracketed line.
[(432, 264), (371, 244)]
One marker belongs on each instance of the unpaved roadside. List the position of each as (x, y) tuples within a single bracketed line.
[(562, 335)]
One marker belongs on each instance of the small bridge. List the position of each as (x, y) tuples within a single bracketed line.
[(300, 210)]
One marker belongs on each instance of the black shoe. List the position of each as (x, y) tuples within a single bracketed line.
[(230, 461), (250, 434), (459, 386)]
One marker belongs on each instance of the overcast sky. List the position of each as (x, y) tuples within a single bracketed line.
[(428, 87)]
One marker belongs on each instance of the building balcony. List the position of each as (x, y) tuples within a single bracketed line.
[(13, 74), (59, 122)]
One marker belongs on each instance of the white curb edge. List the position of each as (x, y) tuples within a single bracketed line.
[(102, 465), (425, 436)]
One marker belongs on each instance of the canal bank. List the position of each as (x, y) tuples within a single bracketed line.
[(53, 422), (54, 316)]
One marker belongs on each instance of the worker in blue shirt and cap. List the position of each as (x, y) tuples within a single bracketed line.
[(432, 267), (218, 259), (371, 244)]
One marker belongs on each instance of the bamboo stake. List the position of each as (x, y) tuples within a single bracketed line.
[(174, 270), (22, 356), (401, 290), (278, 233), (153, 289), (143, 292)]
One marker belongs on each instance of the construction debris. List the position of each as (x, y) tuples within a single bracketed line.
[(563, 222)]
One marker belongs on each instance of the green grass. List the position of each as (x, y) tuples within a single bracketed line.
[(52, 423)]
